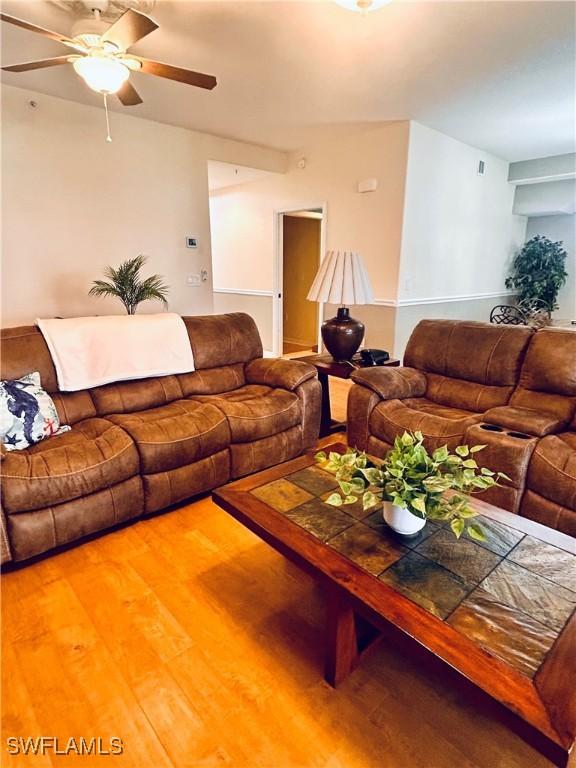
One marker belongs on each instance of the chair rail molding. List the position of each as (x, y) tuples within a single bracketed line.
[(243, 291), (442, 299)]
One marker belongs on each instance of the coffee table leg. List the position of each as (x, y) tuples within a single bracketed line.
[(327, 425), (341, 640), (326, 415)]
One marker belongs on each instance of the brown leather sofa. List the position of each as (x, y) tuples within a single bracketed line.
[(510, 388), (138, 447)]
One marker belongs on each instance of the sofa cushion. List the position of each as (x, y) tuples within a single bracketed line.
[(256, 411), (32, 533), (479, 352), (218, 340), (468, 395), (552, 470), (468, 365), (175, 435), (95, 454), (524, 420), (131, 396), (439, 424), (212, 381), (162, 489), (548, 377), (246, 458)]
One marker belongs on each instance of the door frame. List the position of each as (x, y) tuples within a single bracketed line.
[(278, 296)]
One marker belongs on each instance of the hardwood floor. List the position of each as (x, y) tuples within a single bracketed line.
[(198, 645), (338, 397)]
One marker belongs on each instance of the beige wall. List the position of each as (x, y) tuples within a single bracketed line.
[(73, 203), (242, 217), (301, 256)]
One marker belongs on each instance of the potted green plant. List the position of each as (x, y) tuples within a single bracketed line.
[(127, 284), (538, 271), (413, 484)]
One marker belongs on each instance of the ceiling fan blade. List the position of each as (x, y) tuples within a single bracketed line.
[(128, 29), (64, 39), (170, 72), (40, 64), (128, 95)]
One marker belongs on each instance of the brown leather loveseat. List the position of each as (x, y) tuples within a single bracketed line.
[(138, 447), (509, 388)]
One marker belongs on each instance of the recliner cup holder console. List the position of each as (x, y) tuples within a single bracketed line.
[(496, 428)]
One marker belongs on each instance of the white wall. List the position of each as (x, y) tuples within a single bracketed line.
[(459, 233), (72, 203), (551, 198), (560, 228)]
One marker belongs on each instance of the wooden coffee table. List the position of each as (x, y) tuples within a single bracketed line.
[(501, 613)]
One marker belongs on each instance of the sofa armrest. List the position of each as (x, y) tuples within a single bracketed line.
[(526, 420), (275, 372), (392, 383), (5, 554)]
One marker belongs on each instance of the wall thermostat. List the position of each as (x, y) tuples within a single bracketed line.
[(368, 185), (191, 242)]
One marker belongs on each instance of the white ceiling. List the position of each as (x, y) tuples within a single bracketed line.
[(497, 75)]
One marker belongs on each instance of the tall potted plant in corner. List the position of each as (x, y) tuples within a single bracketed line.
[(538, 271), (413, 483), (127, 284)]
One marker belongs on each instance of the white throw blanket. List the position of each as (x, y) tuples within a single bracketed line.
[(90, 351)]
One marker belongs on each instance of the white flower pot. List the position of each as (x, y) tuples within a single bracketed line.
[(402, 520)]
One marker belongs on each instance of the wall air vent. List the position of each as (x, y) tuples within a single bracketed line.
[(481, 167)]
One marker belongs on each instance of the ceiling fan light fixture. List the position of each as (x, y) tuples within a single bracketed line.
[(102, 74)]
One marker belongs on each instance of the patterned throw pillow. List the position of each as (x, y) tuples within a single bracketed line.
[(27, 413)]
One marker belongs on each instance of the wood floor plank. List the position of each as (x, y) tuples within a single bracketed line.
[(18, 719), (201, 646), (75, 687)]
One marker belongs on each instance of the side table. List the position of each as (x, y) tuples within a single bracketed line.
[(327, 366)]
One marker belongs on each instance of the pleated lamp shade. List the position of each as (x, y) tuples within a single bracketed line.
[(341, 279)]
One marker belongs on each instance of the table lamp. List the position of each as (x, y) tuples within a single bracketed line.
[(342, 279)]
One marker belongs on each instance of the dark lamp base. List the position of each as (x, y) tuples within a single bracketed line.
[(342, 335)]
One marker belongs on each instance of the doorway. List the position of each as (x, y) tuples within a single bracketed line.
[(300, 243)]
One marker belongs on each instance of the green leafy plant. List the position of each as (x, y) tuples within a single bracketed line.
[(127, 284), (538, 271), (414, 479)]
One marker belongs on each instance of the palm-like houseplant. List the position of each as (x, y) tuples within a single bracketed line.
[(412, 479), (127, 284)]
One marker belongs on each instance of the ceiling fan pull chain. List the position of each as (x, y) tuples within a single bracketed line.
[(108, 137)]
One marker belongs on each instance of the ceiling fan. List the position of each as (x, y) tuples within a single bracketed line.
[(101, 59)]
